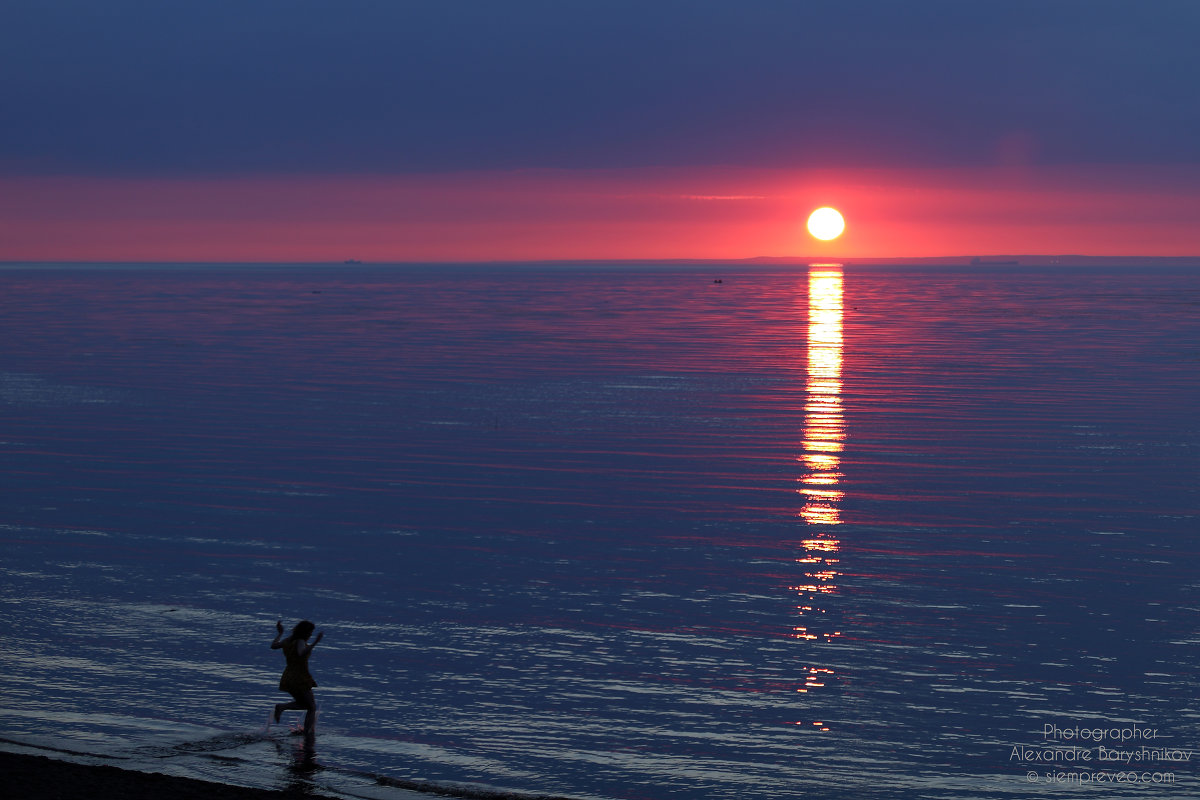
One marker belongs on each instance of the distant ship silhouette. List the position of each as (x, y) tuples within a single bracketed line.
[(979, 262)]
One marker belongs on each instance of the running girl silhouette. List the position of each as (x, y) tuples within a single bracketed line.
[(296, 679)]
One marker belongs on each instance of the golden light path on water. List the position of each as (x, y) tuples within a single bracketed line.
[(824, 439), (824, 425)]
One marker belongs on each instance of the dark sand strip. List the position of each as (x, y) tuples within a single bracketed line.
[(39, 778), (30, 777)]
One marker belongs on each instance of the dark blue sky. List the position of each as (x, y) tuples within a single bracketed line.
[(216, 87)]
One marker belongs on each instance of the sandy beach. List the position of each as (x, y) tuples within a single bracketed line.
[(40, 778), (31, 777)]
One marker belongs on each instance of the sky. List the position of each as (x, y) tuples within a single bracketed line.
[(448, 130)]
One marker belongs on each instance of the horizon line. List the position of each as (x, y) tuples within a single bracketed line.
[(991, 259)]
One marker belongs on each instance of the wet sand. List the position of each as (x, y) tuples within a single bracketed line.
[(40, 778), (32, 777)]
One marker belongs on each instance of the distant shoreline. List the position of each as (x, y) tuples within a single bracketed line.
[(1010, 261)]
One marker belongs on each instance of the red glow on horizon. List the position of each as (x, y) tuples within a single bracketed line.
[(620, 214)]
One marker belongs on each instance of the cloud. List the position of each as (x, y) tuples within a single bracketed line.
[(731, 197)]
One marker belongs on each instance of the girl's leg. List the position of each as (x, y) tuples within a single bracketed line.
[(296, 704), (310, 716)]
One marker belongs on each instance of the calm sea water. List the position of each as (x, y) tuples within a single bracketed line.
[(609, 532)]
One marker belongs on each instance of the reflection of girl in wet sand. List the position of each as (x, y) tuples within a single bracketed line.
[(296, 679)]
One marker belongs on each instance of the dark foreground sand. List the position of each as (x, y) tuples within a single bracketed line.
[(28, 777), (38, 778)]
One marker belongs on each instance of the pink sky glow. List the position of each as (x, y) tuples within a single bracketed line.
[(707, 213)]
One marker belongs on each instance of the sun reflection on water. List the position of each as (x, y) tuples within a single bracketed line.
[(824, 425), (824, 439)]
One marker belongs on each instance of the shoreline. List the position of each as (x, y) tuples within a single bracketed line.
[(39, 777), (33, 777)]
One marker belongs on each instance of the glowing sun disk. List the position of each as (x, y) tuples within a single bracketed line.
[(826, 223)]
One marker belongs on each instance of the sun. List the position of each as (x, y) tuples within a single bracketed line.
[(826, 223)]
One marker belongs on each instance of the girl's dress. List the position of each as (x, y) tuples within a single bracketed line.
[(295, 679)]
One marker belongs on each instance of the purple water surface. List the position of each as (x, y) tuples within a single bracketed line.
[(605, 532)]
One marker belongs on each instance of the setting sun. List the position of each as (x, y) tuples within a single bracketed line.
[(826, 223)]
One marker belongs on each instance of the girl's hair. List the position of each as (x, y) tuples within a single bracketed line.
[(303, 630)]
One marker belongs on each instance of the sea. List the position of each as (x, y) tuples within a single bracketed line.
[(608, 532)]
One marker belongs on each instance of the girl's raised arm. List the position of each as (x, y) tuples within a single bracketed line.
[(304, 648), (275, 645)]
